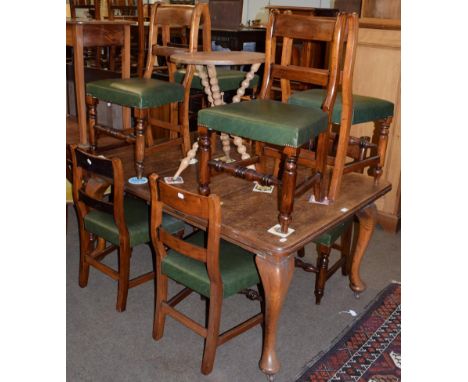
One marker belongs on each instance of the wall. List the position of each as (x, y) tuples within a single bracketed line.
[(255, 9)]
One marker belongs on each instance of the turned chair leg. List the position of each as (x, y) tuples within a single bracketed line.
[(205, 156), (288, 188), (91, 104), (141, 117), (322, 267), (382, 145)]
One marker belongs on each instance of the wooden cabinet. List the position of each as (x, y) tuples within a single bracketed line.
[(377, 74)]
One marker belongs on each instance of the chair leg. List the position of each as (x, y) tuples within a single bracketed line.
[(205, 156), (124, 275), (288, 188), (91, 104), (322, 266), (141, 116), (211, 341), (160, 297), (85, 249), (382, 146), (345, 245)]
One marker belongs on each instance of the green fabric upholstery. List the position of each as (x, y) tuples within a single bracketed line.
[(266, 121), (366, 109), (136, 92), (227, 79), (137, 219), (238, 270), (329, 237)]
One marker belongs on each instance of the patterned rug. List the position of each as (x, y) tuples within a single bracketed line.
[(370, 351)]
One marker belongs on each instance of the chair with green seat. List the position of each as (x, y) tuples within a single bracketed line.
[(359, 153), (289, 128), (116, 219), (365, 109), (144, 94), (202, 263)]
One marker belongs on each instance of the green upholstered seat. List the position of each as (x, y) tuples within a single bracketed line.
[(366, 109), (227, 79), (137, 219), (237, 266), (329, 237), (267, 121), (136, 92)]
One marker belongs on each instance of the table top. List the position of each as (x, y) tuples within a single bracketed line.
[(219, 58), (85, 21), (247, 215)]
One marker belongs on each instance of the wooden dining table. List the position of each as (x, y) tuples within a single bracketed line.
[(247, 216), (84, 33)]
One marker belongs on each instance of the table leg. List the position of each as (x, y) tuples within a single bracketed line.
[(276, 275), (78, 62), (367, 220)]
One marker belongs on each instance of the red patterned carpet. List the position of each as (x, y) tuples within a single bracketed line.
[(370, 351)]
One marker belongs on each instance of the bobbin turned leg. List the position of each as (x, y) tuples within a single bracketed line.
[(91, 104), (288, 187), (205, 156), (141, 119)]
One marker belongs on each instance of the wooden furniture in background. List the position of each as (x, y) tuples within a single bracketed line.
[(275, 257), (381, 9), (121, 221), (92, 6), (88, 33), (226, 13), (130, 10), (213, 268)]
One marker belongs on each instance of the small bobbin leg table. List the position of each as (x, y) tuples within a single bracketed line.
[(205, 64)]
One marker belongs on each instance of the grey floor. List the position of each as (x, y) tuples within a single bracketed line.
[(106, 346)]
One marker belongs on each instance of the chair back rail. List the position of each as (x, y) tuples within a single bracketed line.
[(91, 177), (291, 28), (207, 208), (168, 19)]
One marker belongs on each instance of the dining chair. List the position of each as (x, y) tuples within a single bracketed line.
[(286, 127), (357, 153), (143, 94), (109, 222), (202, 263)]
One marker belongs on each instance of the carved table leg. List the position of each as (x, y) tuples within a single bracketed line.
[(367, 219), (276, 275)]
